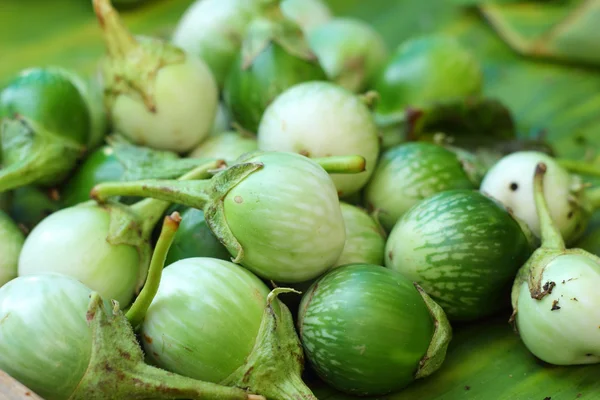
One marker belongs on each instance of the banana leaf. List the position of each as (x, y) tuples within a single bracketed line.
[(565, 31), (519, 50), (487, 361)]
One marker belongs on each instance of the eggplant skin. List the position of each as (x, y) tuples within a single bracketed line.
[(463, 248), (365, 329)]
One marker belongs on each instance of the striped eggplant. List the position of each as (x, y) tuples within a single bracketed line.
[(277, 213), (120, 160), (463, 248), (409, 173), (214, 320), (555, 298), (368, 330)]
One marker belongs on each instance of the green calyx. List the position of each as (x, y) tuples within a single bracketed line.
[(143, 163), (117, 368), (33, 155), (132, 63), (442, 335), (274, 367), (205, 195)]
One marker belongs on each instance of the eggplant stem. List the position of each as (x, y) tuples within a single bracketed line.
[(187, 193), (342, 164), (150, 210), (117, 370), (551, 237), (119, 41), (137, 312), (578, 167)]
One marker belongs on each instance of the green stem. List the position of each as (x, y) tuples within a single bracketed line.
[(578, 167), (137, 312), (551, 237), (151, 210), (342, 164), (119, 41), (187, 193), (180, 387)]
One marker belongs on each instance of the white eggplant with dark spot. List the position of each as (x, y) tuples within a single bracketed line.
[(509, 181)]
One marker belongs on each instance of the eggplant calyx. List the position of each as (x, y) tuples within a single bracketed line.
[(117, 369), (214, 210), (133, 62), (442, 335), (274, 366), (33, 155)]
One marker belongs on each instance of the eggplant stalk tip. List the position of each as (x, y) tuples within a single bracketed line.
[(551, 237), (138, 310), (342, 164)]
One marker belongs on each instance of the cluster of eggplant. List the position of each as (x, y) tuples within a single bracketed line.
[(321, 197)]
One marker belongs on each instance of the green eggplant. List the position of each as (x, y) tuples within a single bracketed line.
[(368, 330), (411, 172), (463, 248), (47, 123)]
